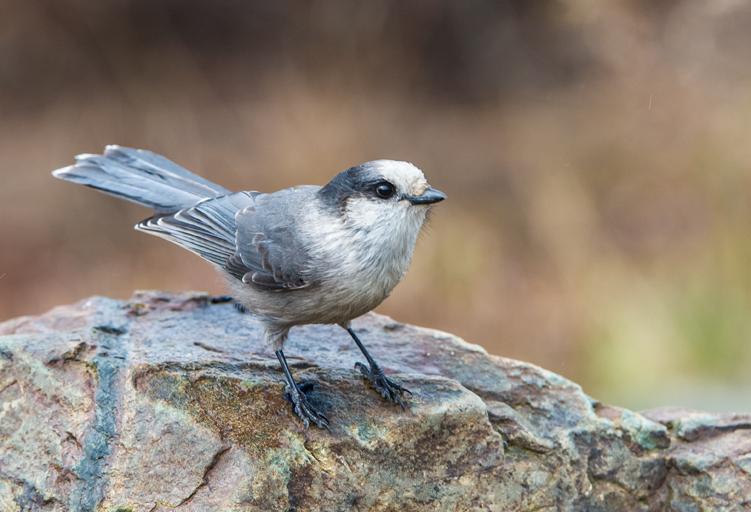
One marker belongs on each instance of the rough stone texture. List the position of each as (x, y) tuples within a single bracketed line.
[(171, 402)]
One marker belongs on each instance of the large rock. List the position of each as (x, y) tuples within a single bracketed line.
[(171, 401)]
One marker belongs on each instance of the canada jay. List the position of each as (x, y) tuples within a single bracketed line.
[(304, 255)]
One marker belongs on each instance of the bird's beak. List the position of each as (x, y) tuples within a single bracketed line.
[(430, 196)]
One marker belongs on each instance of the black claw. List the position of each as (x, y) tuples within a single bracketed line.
[(363, 369), (223, 299), (305, 388), (387, 388), (302, 407)]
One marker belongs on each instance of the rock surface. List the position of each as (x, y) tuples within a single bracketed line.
[(170, 401)]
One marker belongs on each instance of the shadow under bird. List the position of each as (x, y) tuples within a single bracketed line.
[(304, 255)]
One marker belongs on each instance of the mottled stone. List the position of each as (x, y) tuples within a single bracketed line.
[(170, 401)]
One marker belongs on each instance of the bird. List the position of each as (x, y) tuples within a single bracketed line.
[(303, 255)]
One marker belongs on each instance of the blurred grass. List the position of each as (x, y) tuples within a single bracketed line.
[(596, 157)]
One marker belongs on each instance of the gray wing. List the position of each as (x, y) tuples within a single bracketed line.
[(207, 228), (270, 254)]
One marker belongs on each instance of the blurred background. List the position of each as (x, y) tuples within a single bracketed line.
[(596, 155)]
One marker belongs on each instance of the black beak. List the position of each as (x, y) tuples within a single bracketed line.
[(430, 196)]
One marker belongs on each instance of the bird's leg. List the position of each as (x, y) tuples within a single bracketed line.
[(296, 395), (389, 389)]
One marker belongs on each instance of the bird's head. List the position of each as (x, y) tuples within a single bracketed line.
[(380, 190)]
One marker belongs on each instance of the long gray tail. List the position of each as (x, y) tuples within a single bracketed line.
[(142, 177)]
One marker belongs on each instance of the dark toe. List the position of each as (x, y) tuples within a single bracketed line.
[(387, 388), (305, 387), (302, 407)]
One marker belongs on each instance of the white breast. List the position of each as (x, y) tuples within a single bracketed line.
[(362, 255)]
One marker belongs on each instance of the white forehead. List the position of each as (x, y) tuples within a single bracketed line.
[(402, 174)]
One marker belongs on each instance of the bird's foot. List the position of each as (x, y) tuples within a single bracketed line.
[(222, 299), (389, 389), (301, 406)]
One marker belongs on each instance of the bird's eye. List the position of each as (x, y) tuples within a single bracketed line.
[(385, 190)]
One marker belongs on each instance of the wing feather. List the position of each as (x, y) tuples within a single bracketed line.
[(251, 235), (268, 244), (207, 228)]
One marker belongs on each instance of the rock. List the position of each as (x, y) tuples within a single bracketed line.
[(171, 401)]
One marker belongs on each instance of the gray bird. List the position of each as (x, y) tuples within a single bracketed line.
[(304, 255)]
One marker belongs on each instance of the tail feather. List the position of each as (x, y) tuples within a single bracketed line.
[(142, 177)]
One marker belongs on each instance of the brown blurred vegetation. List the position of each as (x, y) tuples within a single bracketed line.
[(596, 155)]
